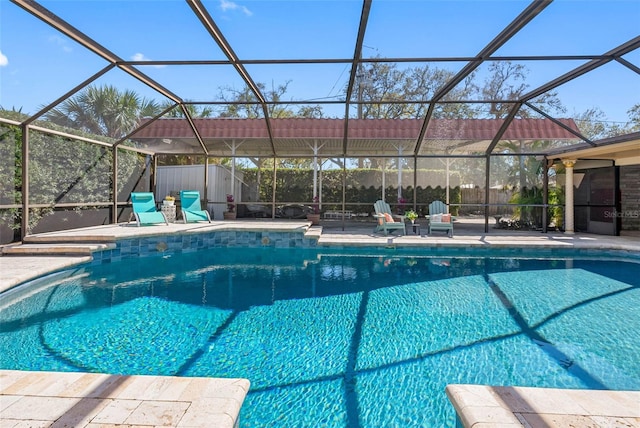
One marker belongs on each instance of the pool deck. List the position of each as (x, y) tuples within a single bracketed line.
[(43, 399), (482, 406), (48, 399)]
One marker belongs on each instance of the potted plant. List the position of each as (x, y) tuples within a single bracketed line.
[(169, 200), (411, 215), (314, 217), (230, 213)]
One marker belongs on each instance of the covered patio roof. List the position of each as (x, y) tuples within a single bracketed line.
[(366, 137)]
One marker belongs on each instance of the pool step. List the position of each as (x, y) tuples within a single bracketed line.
[(62, 239), (57, 249)]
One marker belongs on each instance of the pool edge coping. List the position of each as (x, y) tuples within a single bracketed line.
[(108, 233), (514, 406), (83, 399)]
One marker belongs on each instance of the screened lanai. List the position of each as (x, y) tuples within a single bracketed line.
[(330, 105)]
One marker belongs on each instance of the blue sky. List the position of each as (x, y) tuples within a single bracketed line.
[(38, 64)]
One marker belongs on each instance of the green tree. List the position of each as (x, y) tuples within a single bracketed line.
[(243, 103), (507, 81), (379, 84), (312, 112), (593, 125), (195, 110), (103, 110), (634, 118)]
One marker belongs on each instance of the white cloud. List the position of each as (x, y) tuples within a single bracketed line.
[(141, 57), (57, 40), (226, 5), (3, 60)]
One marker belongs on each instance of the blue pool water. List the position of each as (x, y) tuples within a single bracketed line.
[(337, 339)]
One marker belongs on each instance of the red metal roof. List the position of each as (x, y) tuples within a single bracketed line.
[(383, 129)]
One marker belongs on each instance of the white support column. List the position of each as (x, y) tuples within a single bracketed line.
[(568, 197), (384, 167), (317, 186), (448, 201), (447, 184), (233, 146), (315, 169), (233, 169), (399, 172), (320, 163)]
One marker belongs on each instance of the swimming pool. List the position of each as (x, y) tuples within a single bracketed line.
[(339, 339)]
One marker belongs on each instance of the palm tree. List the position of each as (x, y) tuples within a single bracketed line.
[(103, 110)]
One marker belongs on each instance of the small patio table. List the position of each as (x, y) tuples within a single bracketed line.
[(415, 227), (169, 212)]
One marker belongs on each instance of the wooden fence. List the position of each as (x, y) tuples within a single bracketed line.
[(498, 201)]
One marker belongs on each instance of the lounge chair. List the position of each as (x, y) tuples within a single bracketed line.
[(191, 208), (439, 218), (144, 209), (385, 218)]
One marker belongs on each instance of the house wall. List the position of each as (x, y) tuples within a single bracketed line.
[(630, 197)]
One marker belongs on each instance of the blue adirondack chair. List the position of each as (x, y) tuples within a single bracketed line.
[(191, 208), (144, 209), (436, 209), (383, 223)]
